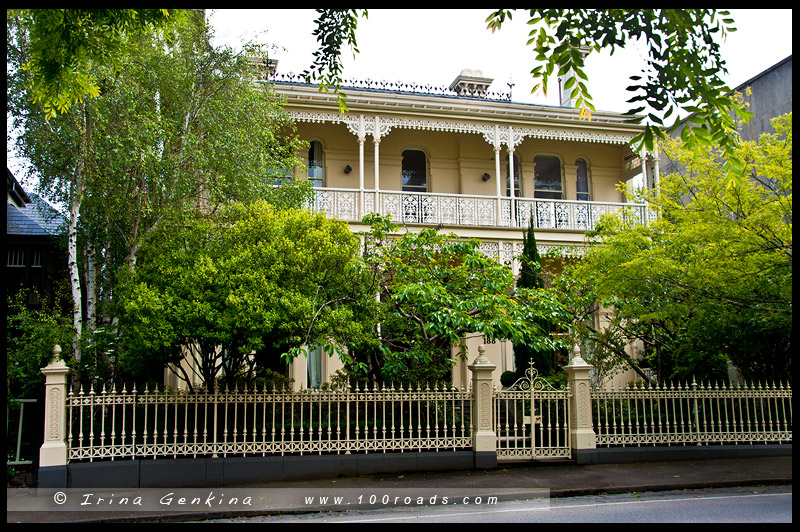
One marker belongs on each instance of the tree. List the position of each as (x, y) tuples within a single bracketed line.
[(30, 336), (435, 290), (682, 70), (711, 278), (67, 44), (235, 291), (179, 126), (530, 276), (335, 27)]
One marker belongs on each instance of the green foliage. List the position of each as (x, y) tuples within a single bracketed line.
[(530, 276), (30, 337), (437, 289), (250, 279), (178, 125), (683, 70), (711, 278), (507, 378), (335, 28), (68, 44)]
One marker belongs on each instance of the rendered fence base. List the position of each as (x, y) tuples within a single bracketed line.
[(53, 477), (208, 472), (618, 455)]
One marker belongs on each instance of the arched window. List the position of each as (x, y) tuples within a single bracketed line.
[(547, 177), (517, 173), (415, 171), (315, 165), (582, 180)]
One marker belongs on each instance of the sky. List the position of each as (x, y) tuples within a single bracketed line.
[(434, 45)]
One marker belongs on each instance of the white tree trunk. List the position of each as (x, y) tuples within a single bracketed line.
[(72, 264)]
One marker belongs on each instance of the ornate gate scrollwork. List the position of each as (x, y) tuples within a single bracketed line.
[(532, 419)]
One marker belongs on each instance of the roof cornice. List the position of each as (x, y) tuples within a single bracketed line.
[(306, 103)]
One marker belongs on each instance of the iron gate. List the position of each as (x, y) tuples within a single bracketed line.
[(531, 419)]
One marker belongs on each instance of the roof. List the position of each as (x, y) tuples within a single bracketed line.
[(37, 218), (398, 98), (14, 190)]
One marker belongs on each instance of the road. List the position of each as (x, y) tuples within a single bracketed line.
[(772, 504)]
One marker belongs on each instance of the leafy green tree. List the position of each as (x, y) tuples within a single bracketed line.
[(436, 289), (30, 337), (67, 44), (711, 278), (237, 290), (178, 126), (530, 276)]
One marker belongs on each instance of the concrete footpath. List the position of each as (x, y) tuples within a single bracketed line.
[(508, 482)]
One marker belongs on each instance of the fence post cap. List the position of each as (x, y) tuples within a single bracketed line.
[(577, 359), (56, 363), (481, 358), (481, 363)]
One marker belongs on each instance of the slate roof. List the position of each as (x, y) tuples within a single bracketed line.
[(37, 218)]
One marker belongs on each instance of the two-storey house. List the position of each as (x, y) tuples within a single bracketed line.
[(444, 157)]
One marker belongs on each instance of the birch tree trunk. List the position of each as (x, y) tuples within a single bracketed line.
[(76, 195), (77, 192)]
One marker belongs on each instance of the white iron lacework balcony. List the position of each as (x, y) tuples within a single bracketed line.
[(467, 210)]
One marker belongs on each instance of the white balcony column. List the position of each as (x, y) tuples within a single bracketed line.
[(511, 176), (361, 140), (497, 148), (656, 175), (376, 139)]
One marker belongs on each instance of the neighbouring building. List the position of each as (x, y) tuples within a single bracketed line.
[(36, 260), (769, 95), (443, 157)]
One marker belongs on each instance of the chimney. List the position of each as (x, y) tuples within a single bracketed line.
[(471, 83), (565, 98), (264, 68)]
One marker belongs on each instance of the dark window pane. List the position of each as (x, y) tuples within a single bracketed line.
[(582, 184), (516, 177), (315, 163), (547, 177), (414, 170)]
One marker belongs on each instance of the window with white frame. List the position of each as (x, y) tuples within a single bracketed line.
[(547, 177), (517, 173), (414, 171), (16, 258), (582, 180), (315, 164)]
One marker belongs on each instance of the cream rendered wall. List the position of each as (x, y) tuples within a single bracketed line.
[(457, 161), (499, 354)]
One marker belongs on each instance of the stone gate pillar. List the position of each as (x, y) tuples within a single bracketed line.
[(582, 437), (53, 453), (484, 439)]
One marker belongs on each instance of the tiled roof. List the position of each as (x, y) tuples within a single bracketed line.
[(37, 218)]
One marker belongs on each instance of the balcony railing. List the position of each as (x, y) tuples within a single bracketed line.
[(466, 210)]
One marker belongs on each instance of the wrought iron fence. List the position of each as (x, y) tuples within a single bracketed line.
[(680, 414), (131, 424), (530, 420)]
